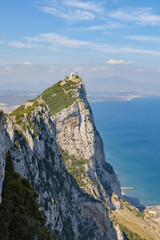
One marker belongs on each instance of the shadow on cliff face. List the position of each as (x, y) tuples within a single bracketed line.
[(20, 217), (70, 212)]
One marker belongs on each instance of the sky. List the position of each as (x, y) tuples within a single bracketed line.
[(42, 41)]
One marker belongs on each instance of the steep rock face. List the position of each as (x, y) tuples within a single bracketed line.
[(77, 136), (30, 133)]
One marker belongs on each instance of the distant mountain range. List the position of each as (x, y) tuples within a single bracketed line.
[(114, 88), (116, 84), (12, 98)]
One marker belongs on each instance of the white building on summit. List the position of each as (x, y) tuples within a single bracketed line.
[(71, 75)]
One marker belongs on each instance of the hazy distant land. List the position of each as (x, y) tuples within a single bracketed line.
[(118, 89), (8, 109), (10, 100), (118, 96)]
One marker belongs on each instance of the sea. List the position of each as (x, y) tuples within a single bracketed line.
[(131, 134)]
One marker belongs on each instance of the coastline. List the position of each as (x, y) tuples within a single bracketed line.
[(151, 212), (119, 96), (128, 146)]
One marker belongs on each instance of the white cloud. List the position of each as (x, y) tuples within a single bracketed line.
[(54, 41), (130, 62), (108, 26), (114, 62), (59, 40), (27, 63), (117, 62), (79, 69), (99, 28), (73, 10), (144, 38), (142, 51), (96, 69), (142, 16), (156, 70), (21, 45), (91, 6), (73, 15), (52, 69), (142, 70), (8, 69), (51, 40)]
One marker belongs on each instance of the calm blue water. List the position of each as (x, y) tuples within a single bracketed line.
[(131, 135)]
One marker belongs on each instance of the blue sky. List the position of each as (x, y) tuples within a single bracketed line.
[(42, 41)]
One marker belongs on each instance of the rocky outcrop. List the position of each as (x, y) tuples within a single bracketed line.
[(31, 135)]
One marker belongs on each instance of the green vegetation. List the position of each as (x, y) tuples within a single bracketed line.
[(133, 209), (93, 181), (19, 112), (85, 106), (138, 213), (75, 168), (19, 117), (59, 96), (104, 205), (6, 115), (17, 144), (130, 235), (20, 217), (19, 135), (113, 218), (66, 77)]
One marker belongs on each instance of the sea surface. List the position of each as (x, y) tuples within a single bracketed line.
[(131, 135)]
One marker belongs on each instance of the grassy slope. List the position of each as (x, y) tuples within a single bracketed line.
[(59, 96), (133, 220)]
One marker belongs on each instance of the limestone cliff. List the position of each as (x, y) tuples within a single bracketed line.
[(70, 212), (78, 137), (54, 143)]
